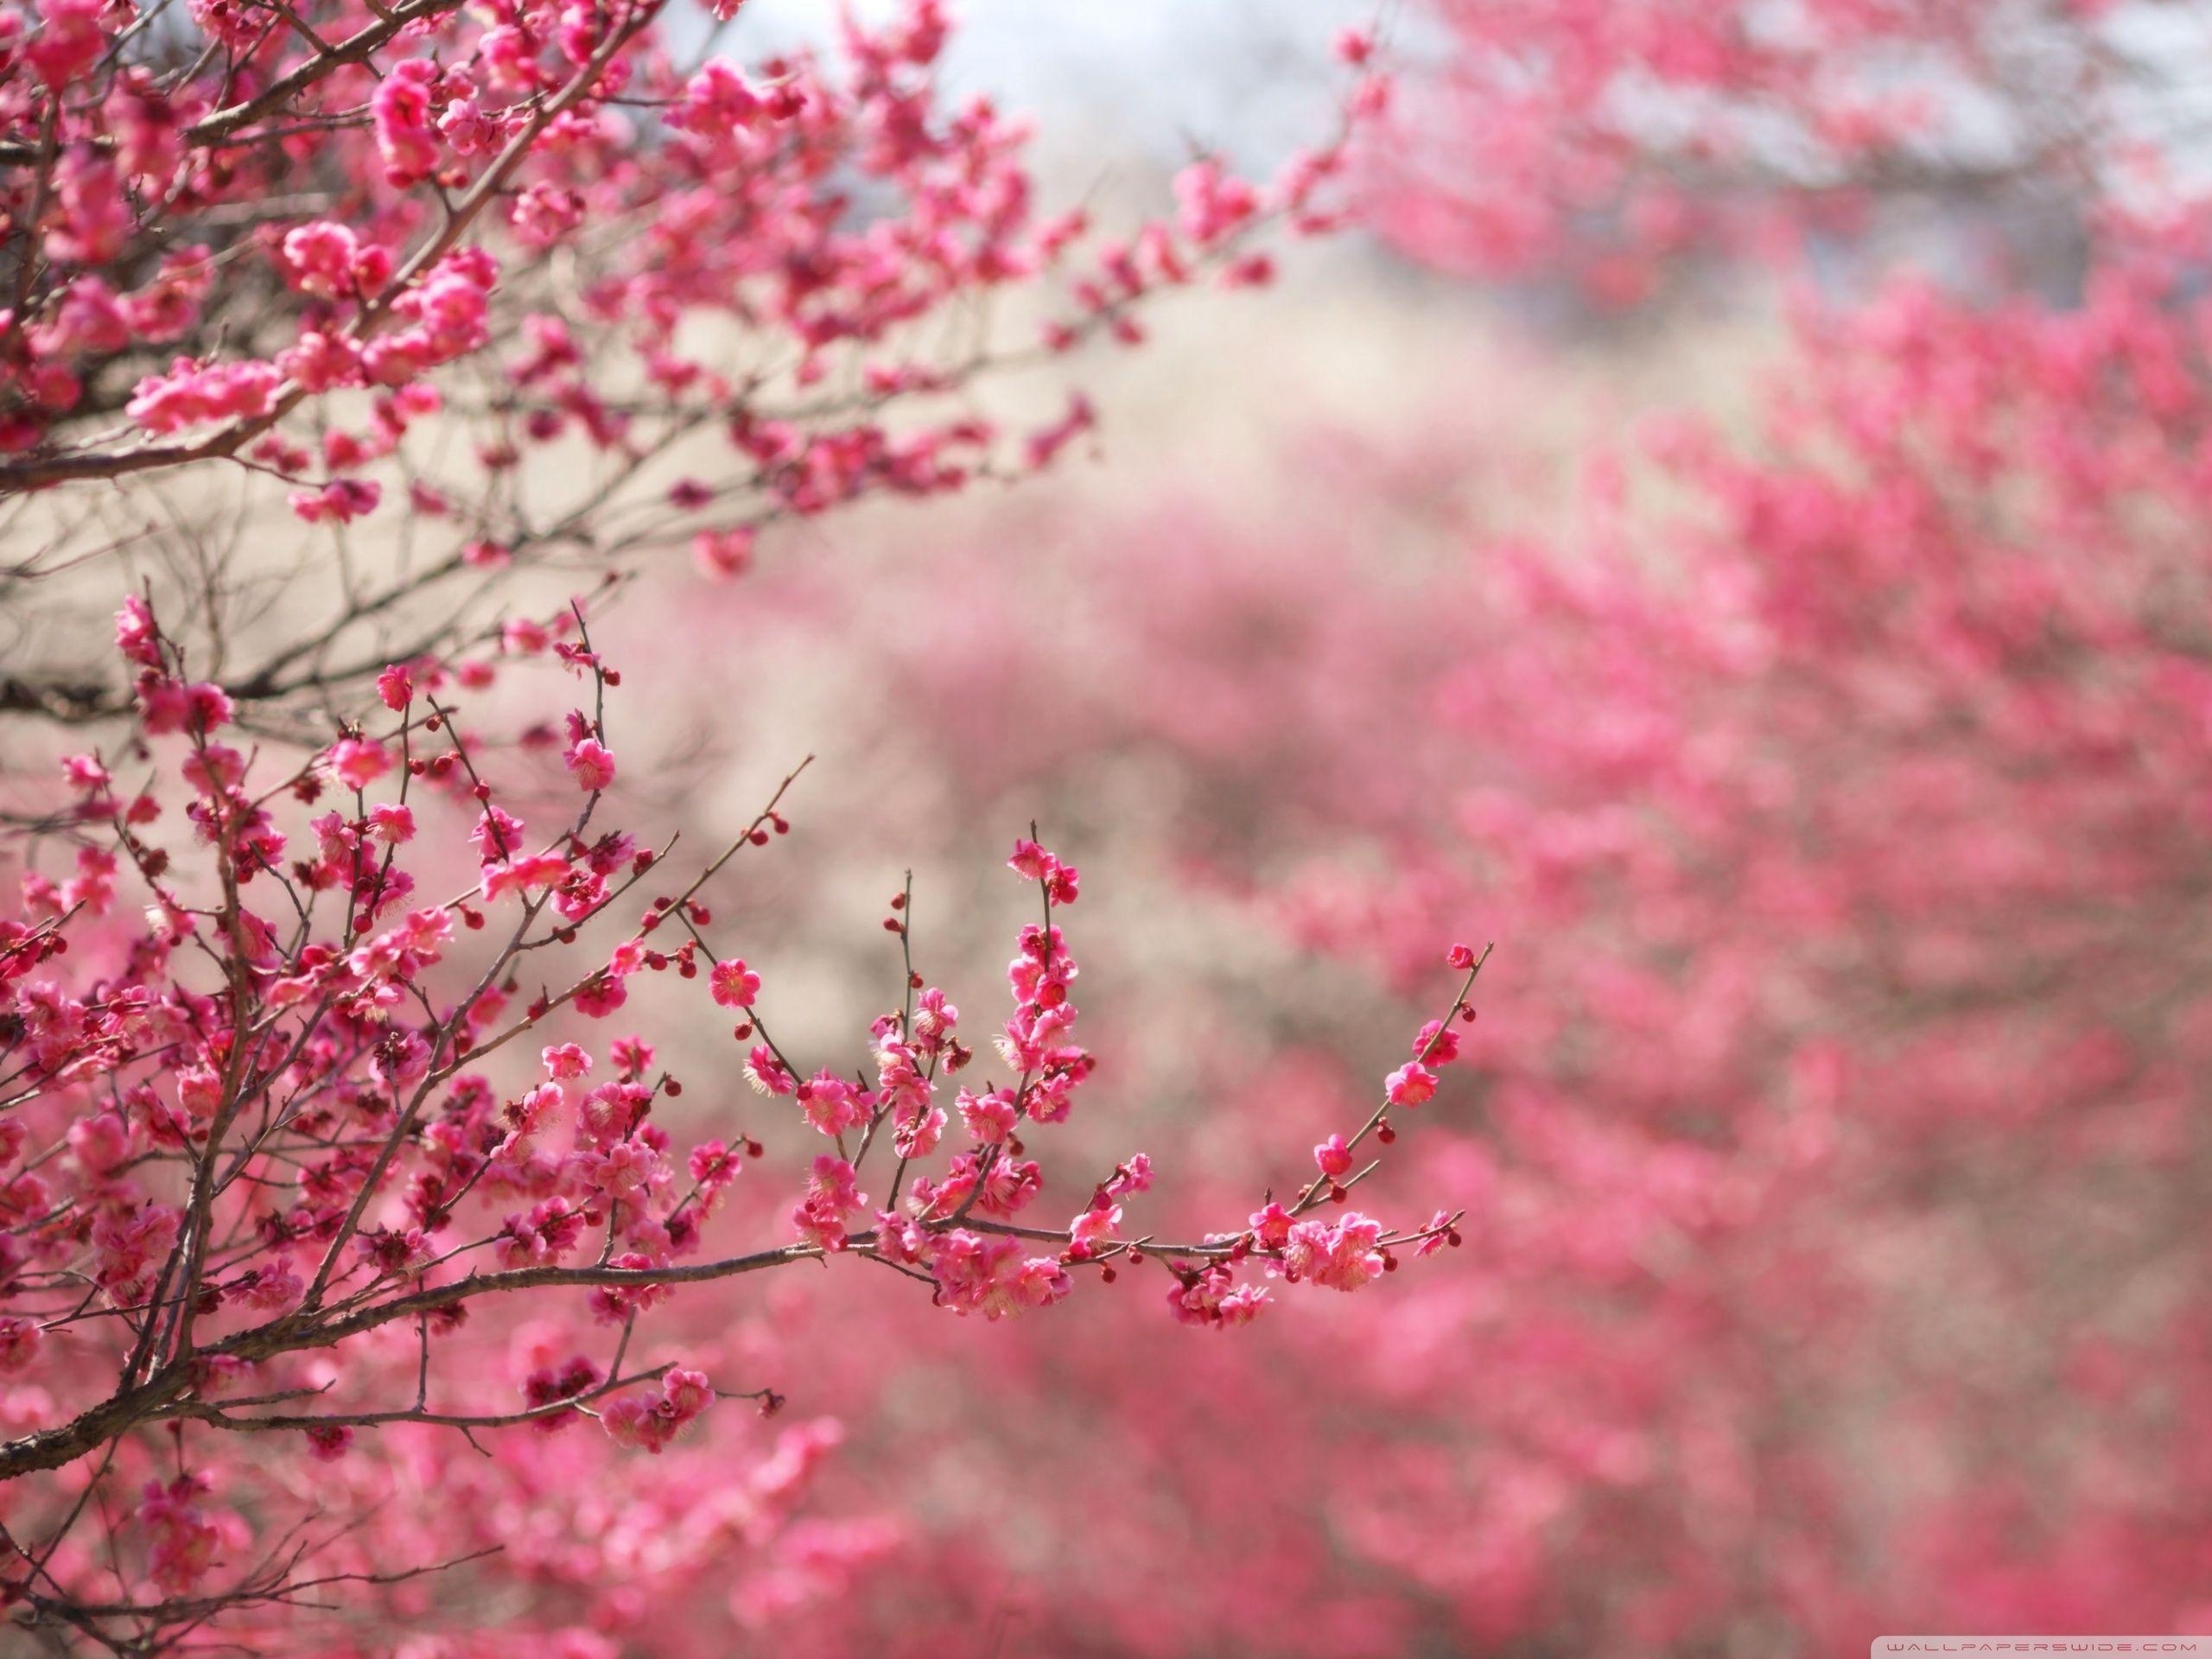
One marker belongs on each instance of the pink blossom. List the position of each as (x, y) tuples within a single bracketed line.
[(721, 555), (716, 101), (992, 1276), (70, 38), (357, 762), (320, 258), (832, 1196), (989, 1117), (135, 635), (732, 984), (392, 822), (590, 764), (1340, 1255), (651, 1422), (1410, 1084), (193, 394), (85, 773), (341, 501), (564, 1060), (401, 112), (833, 1105), (1211, 1296), (765, 1072), (546, 213), (531, 873)]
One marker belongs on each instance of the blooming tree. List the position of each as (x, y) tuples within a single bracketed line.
[(347, 1259), (541, 283)]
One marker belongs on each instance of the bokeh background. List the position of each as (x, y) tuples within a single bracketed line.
[(1806, 712)]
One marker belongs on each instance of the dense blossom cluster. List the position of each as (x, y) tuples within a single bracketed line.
[(293, 1089), (538, 281), (214, 229)]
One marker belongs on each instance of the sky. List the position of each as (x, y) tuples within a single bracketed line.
[(1136, 79)]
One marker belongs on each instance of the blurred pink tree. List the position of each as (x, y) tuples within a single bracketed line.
[(1835, 1176), (1625, 145)]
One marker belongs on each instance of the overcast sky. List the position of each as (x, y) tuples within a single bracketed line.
[(1132, 77)]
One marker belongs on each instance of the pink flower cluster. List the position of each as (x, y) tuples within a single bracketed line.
[(154, 200), (280, 1201)]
